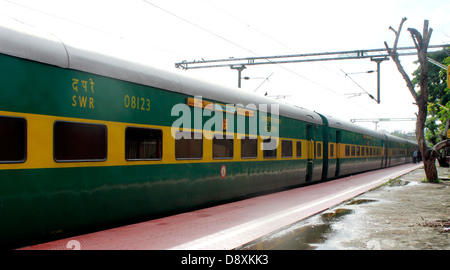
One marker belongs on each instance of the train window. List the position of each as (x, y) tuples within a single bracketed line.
[(299, 149), (143, 143), (13, 139), (268, 151), (358, 151), (188, 145), (222, 146), (79, 142), (331, 150), (319, 150), (286, 149), (353, 151), (249, 147), (347, 150)]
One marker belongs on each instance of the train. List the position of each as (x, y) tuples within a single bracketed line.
[(87, 141)]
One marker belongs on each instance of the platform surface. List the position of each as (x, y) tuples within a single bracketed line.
[(230, 225)]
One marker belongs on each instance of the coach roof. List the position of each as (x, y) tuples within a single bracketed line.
[(28, 42)]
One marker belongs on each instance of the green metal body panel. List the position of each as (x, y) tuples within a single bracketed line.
[(32, 87), (41, 203)]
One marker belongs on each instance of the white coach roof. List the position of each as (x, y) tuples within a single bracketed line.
[(28, 42)]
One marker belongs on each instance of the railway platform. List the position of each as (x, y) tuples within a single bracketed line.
[(231, 225)]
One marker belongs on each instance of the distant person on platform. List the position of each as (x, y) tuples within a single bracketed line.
[(415, 154)]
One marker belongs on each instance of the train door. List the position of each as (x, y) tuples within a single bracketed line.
[(310, 152), (384, 160), (388, 154), (338, 153)]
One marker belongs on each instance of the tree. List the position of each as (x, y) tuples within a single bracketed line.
[(421, 42), (438, 120)]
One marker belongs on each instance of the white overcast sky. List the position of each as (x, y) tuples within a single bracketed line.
[(163, 32)]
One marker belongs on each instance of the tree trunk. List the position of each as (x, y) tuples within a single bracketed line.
[(429, 161), (433, 155), (421, 41), (430, 169)]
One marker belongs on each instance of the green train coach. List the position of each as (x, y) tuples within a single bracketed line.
[(88, 141)]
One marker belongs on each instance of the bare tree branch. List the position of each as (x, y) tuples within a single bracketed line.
[(390, 28), (403, 73), (427, 33), (393, 53), (416, 36), (397, 34)]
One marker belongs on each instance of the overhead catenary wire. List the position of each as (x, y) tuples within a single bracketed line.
[(95, 29), (198, 26), (254, 53), (247, 25), (347, 76)]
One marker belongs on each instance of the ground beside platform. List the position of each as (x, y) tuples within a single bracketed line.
[(404, 214), (398, 220)]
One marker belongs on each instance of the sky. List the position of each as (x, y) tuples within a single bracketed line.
[(163, 32)]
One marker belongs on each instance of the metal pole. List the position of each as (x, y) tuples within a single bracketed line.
[(239, 69), (378, 61), (378, 83)]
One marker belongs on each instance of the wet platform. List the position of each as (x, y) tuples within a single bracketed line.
[(231, 225)]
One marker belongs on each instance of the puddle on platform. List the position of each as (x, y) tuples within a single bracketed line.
[(360, 201), (300, 236), (400, 183)]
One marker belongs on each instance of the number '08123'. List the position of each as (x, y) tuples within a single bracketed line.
[(136, 103)]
